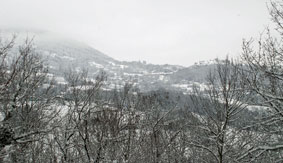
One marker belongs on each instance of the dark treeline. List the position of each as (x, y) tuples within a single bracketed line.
[(237, 116)]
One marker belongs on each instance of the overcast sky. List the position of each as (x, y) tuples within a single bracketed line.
[(157, 31)]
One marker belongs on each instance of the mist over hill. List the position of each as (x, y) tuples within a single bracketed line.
[(63, 54)]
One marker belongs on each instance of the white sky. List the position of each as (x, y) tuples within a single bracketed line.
[(157, 31)]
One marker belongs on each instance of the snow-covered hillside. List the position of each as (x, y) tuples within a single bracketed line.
[(63, 54)]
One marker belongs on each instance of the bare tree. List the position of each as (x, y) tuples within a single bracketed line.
[(214, 127), (25, 104), (263, 75)]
